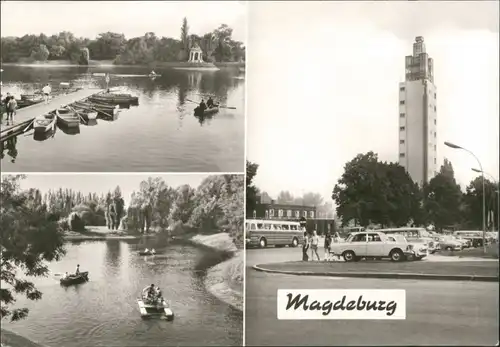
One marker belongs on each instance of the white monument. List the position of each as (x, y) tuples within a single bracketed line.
[(195, 55)]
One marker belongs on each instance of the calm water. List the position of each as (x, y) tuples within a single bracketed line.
[(160, 135), (104, 312)]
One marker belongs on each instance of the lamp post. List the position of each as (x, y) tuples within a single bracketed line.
[(497, 193), (454, 146)]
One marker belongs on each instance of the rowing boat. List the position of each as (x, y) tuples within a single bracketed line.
[(67, 118), (44, 123), (207, 111), (115, 98), (86, 114), (100, 108), (82, 277)]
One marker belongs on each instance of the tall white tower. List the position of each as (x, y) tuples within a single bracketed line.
[(417, 116)]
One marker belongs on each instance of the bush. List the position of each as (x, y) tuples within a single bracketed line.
[(76, 222)]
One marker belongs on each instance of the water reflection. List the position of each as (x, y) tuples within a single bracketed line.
[(163, 120)]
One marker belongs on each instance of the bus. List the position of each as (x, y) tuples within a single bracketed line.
[(263, 233), (415, 235)]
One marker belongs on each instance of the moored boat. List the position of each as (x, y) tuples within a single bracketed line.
[(86, 114), (106, 109), (154, 308), (67, 118), (147, 252), (44, 123), (82, 277), (207, 111), (114, 98)]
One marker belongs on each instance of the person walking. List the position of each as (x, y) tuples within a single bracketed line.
[(305, 247), (46, 90), (314, 245), (328, 242)]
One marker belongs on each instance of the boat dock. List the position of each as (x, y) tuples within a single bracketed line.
[(26, 115)]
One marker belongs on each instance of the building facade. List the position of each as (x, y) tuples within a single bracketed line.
[(417, 116), (281, 211)]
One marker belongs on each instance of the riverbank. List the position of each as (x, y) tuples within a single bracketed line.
[(109, 63), (10, 339), (101, 233), (224, 280)]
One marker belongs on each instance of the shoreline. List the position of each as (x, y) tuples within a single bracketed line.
[(11, 339), (225, 279), (155, 65)]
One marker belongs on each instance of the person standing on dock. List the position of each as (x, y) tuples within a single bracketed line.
[(46, 90), (11, 109)]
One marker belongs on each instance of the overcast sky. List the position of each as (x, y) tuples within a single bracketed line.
[(323, 85), (102, 183), (132, 18)]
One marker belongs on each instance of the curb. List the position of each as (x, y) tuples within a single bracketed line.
[(383, 275)]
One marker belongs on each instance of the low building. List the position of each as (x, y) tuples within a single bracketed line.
[(281, 211)]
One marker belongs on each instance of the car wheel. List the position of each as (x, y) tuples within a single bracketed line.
[(295, 242), (349, 256), (262, 243), (397, 255)]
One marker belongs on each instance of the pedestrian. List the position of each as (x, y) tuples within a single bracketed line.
[(314, 245), (305, 247), (46, 90), (328, 242), (11, 109)]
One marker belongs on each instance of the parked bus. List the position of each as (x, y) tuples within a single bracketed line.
[(415, 235), (265, 233)]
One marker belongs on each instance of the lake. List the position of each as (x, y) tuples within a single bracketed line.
[(161, 134), (104, 311)]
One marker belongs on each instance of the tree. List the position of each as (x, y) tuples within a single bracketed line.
[(473, 201), (443, 198), (185, 38), (183, 205), (119, 204), (57, 52), (30, 236), (251, 189), (41, 53), (285, 197), (370, 191)]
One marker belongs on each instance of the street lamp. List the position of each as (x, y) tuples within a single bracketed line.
[(497, 192), (454, 146)]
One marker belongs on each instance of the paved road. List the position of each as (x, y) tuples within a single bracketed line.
[(438, 312)]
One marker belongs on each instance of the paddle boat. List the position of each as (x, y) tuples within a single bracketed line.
[(82, 277), (67, 117), (154, 306), (44, 123)]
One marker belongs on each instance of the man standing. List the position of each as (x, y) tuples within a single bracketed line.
[(46, 90)]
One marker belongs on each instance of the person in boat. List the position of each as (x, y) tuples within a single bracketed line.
[(146, 250), (46, 90), (210, 102), (65, 275), (77, 271), (151, 291), (152, 73), (202, 106), (153, 251)]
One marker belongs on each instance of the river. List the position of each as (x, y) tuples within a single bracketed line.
[(104, 312), (160, 134)]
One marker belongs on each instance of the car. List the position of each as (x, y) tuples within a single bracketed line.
[(373, 244), (449, 243), (420, 250)]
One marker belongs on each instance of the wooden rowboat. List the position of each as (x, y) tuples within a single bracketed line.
[(67, 118), (44, 123), (207, 111), (82, 277), (86, 114), (114, 98), (112, 110)]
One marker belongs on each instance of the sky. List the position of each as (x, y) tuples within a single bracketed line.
[(102, 183), (132, 18), (323, 86)]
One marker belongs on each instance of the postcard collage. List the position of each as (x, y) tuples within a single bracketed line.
[(249, 173)]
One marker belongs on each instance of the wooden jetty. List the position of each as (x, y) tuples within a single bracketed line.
[(26, 115)]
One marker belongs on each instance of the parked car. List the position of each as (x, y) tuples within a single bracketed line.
[(372, 244), (422, 252), (449, 243), (465, 242)]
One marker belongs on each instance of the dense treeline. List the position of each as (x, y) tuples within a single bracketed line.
[(217, 46), (371, 192), (216, 205)]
